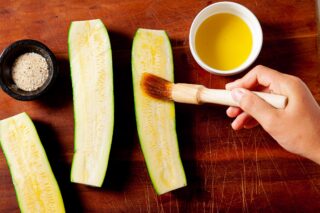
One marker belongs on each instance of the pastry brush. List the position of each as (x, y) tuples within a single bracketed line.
[(163, 89)]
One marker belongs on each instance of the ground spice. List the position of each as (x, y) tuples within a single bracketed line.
[(30, 71)]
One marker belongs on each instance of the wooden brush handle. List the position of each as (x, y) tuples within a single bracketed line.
[(224, 97), (197, 94)]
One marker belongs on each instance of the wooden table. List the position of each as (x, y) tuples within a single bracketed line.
[(226, 170)]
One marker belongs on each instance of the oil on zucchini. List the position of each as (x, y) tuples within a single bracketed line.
[(151, 52)]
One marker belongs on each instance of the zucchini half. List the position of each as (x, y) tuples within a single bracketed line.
[(152, 53), (92, 83), (35, 185)]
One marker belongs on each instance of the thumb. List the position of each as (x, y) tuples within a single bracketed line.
[(254, 106)]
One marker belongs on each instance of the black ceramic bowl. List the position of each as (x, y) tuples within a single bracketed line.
[(7, 59)]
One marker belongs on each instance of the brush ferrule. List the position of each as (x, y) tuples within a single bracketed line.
[(186, 93)]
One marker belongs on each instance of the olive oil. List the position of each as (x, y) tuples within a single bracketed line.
[(223, 41)]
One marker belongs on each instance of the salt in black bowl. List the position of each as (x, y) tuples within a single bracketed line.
[(11, 53)]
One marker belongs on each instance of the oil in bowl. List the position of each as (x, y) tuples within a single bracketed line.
[(223, 41), (225, 38)]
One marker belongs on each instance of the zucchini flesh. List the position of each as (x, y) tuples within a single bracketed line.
[(35, 185), (92, 83), (152, 53)]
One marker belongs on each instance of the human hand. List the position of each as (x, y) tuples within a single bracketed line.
[(296, 127)]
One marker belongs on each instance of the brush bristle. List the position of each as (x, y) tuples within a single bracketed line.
[(156, 87)]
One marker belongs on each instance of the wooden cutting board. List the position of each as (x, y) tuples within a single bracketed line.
[(226, 170)]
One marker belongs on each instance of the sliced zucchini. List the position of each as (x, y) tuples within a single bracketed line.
[(35, 185), (152, 53), (92, 82)]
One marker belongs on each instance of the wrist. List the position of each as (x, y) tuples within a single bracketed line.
[(315, 155), (314, 152)]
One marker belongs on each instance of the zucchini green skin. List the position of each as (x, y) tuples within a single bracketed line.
[(60, 207), (110, 107), (179, 166)]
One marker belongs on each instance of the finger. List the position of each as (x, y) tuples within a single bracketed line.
[(233, 112), (253, 105), (244, 120), (240, 121), (260, 75), (231, 84), (251, 124)]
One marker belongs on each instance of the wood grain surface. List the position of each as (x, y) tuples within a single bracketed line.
[(227, 171)]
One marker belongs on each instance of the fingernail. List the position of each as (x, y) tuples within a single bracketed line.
[(228, 110), (228, 85), (237, 94), (235, 126)]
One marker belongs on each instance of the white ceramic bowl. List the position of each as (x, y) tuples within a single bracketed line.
[(235, 9)]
